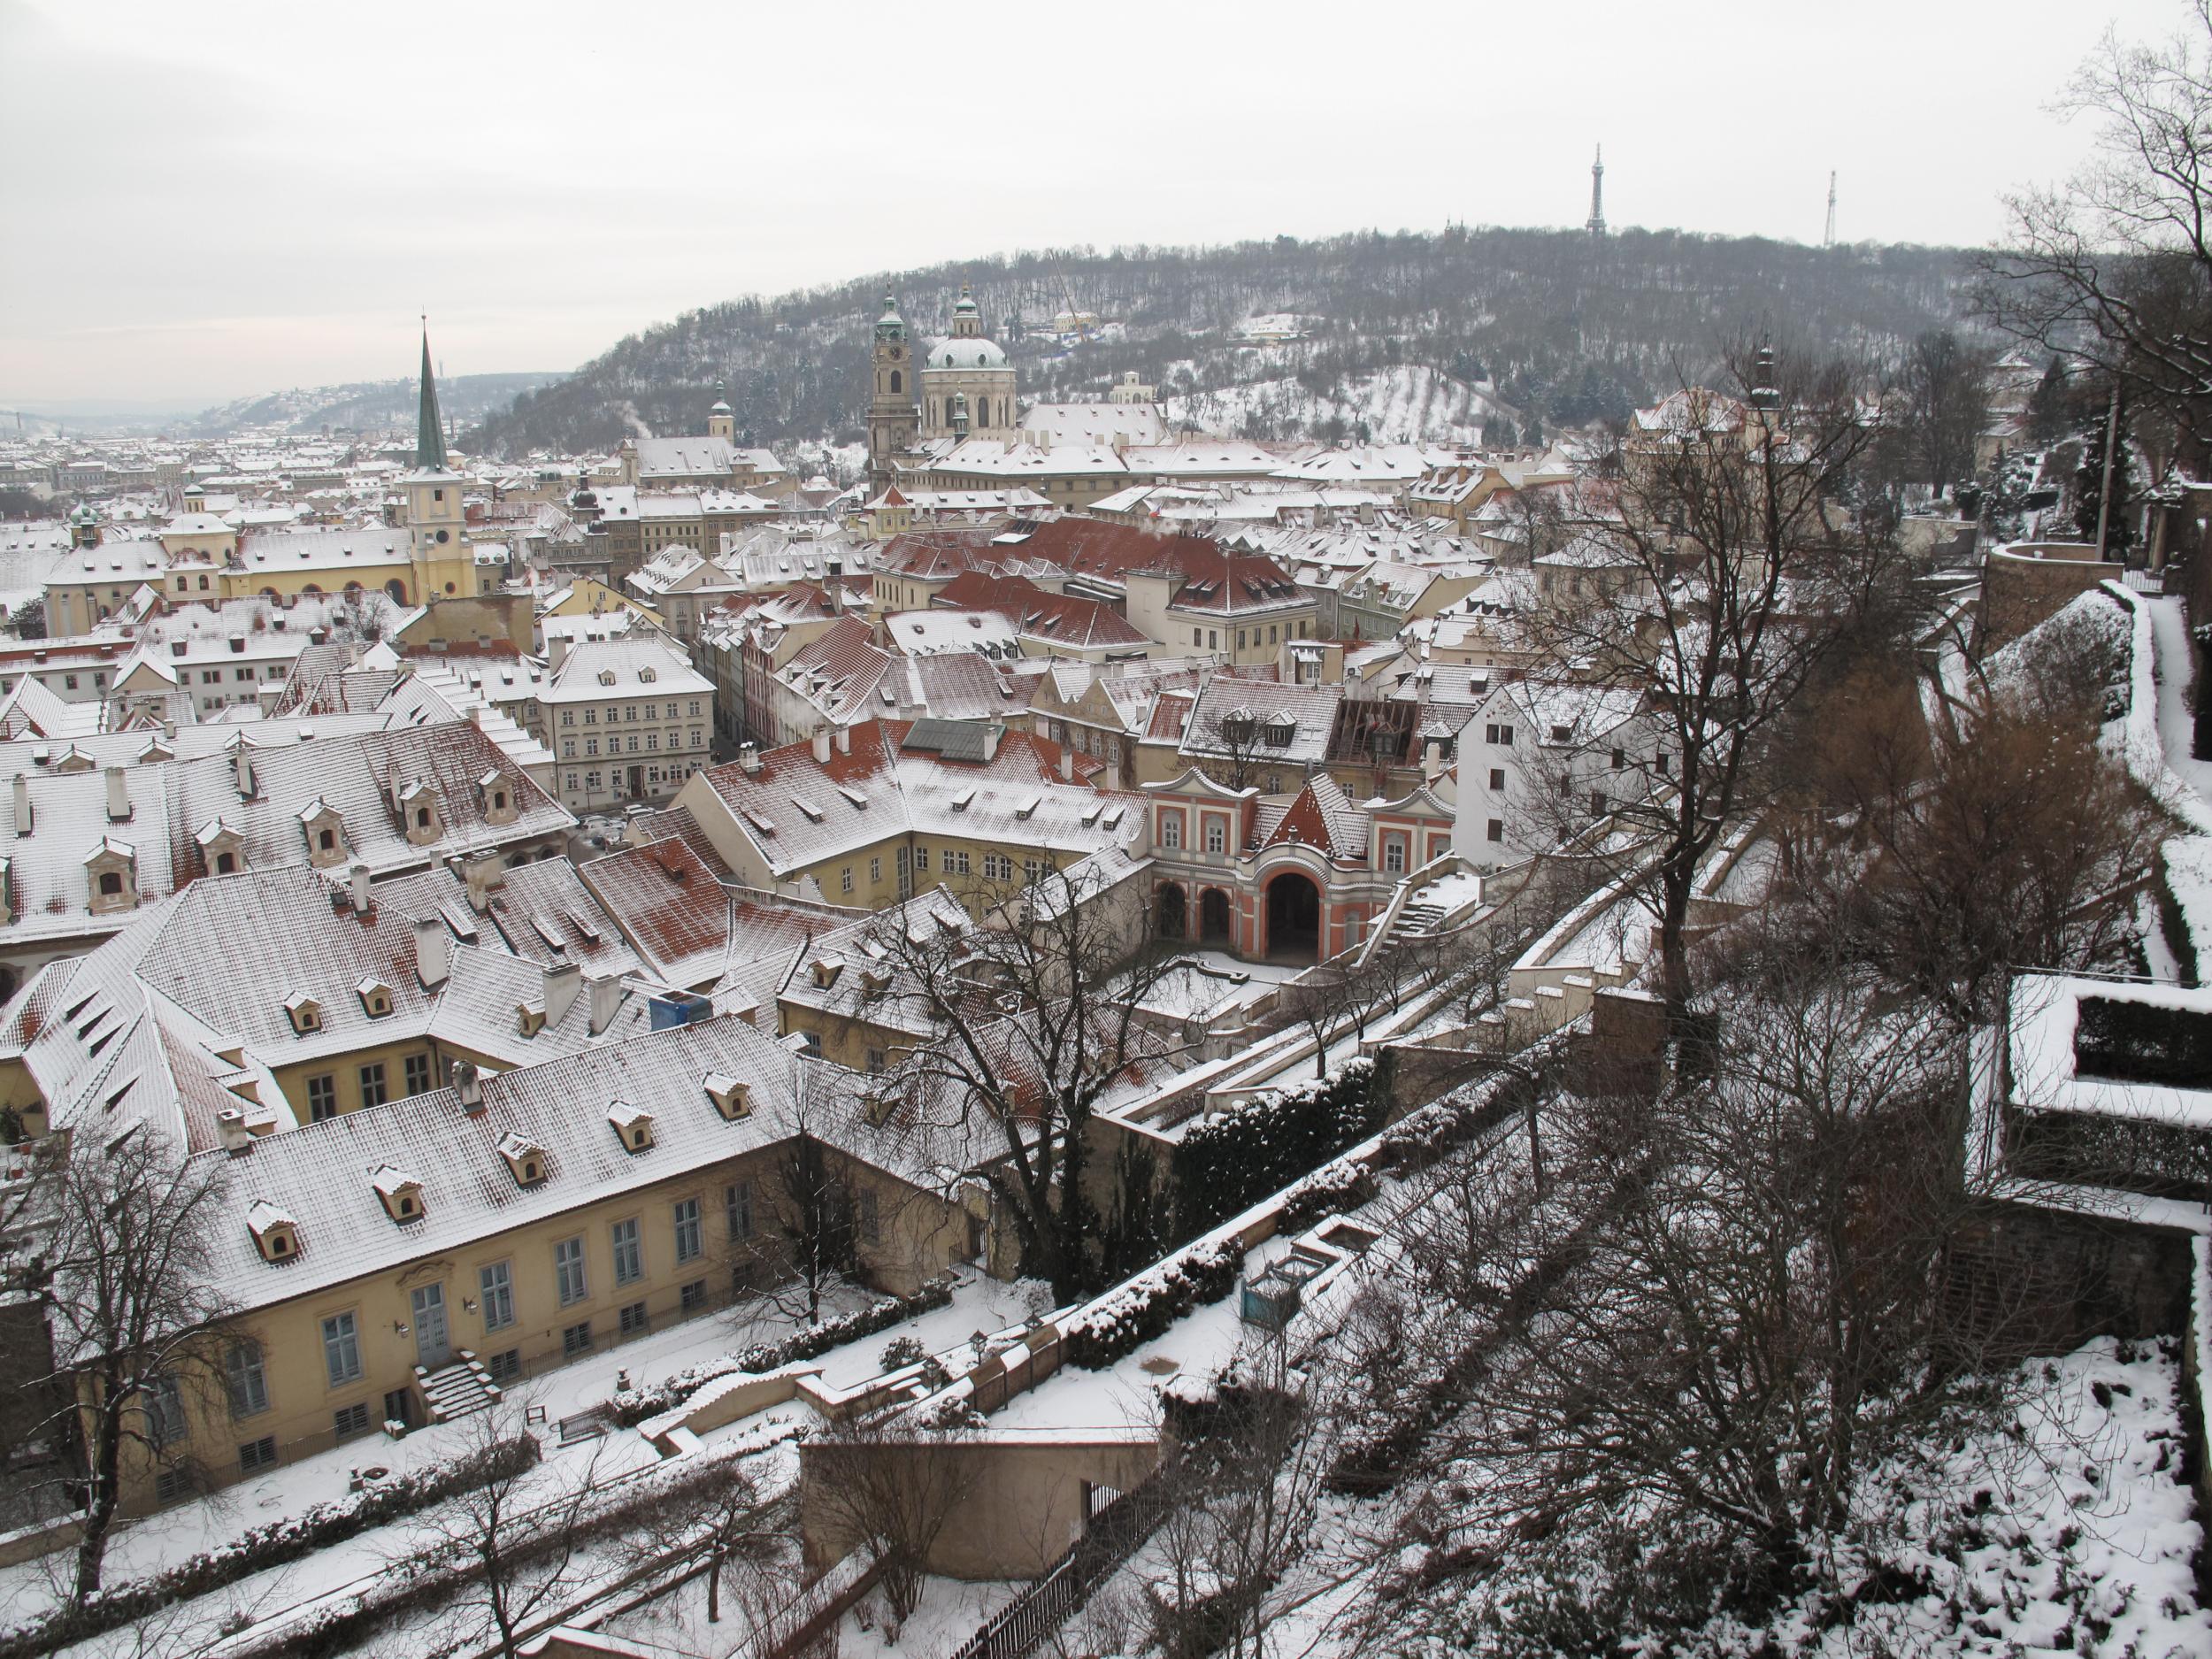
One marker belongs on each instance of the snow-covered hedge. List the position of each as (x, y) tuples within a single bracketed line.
[(1127, 1318), (260, 1547), (631, 1406), (1232, 1160)]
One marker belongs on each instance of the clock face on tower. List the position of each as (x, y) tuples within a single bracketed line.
[(895, 354)]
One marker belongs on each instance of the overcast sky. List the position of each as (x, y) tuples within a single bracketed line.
[(209, 200)]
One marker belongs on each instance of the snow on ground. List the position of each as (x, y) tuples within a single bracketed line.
[(2188, 781), (2078, 1534), (980, 1303), (948, 1613), (1406, 404)]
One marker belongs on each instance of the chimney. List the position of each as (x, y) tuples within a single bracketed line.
[(230, 1122), (468, 1083), (483, 875), (119, 796), (747, 761), (844, 736), (1067, 763), (606, 999), (22, 788), (434, 954), (241, 769), (1432, 759), (991, 735), (561, 982), (358, 887), (555, 652), (821, 743)]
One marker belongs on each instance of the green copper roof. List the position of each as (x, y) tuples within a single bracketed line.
[(429, 431)]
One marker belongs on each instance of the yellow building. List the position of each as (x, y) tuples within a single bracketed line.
[(878, 811), (405, 1263)]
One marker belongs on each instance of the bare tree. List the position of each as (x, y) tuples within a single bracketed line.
[(1245, 1482), (889, 1485), (137, 1332), (716, 1516), (1232, 744), (2115, 264), (1033, 1015), (1726, 577), (1741, 1307), (1963, 853), (1941, 404), (813, 1239), (522, 1535)]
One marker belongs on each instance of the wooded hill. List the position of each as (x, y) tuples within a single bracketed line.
[(1404, 335)]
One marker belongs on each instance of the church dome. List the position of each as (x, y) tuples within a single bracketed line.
[(976, 353)]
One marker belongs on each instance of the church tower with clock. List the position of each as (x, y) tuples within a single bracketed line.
[(894, 421)]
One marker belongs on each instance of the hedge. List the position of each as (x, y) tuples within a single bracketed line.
[(259, 1548), (631, 1406), (1124, 1319), (1229, 1161)]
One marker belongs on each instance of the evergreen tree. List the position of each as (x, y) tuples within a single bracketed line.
[(2046, 405), (2089, 486), (1534, 436)]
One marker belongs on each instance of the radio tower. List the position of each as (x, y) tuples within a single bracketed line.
[(1596, 226), (1828, 240)]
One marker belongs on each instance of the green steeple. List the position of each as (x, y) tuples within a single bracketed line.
[(429, 431)]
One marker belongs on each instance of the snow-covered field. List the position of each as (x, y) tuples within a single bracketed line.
[(1406, 404)]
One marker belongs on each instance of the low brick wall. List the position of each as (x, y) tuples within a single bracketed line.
[(2034, 1280)]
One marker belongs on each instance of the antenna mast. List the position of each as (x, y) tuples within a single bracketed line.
[(1828, 240)]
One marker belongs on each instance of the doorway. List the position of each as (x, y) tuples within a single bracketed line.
[(1294, 919), (1173, 916), (432, 1347), (1213, 917)]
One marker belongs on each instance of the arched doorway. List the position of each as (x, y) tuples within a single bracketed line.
[(1294, 919), (398, 589), (1174, 919), (1213, 917)]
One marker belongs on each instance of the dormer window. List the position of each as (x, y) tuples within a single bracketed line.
[(1277, 733), (648, 675), (525, 1159), (606, 676), (825, 971), (275, 1235), (530, 1018), (305, 1012), (326, 833), (401, 1193), (732, 1099), (418, 812), (376, 998), (632, 1125), (497, 796), (112, 874)]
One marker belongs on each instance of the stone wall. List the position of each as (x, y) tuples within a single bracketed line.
[(2023, 584), (2028, 1280)]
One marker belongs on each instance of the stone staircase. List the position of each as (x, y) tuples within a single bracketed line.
[(456, 1390), (1417, 921)]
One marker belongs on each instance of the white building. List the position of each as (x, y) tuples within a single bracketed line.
[(628, 719)]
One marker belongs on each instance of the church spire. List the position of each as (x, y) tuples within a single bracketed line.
[(429, 431)]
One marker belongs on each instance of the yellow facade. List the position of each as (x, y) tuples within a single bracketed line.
[(914, 1236)]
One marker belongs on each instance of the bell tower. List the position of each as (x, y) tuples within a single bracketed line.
[(893, 422), (437, 521), (721, 423)]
